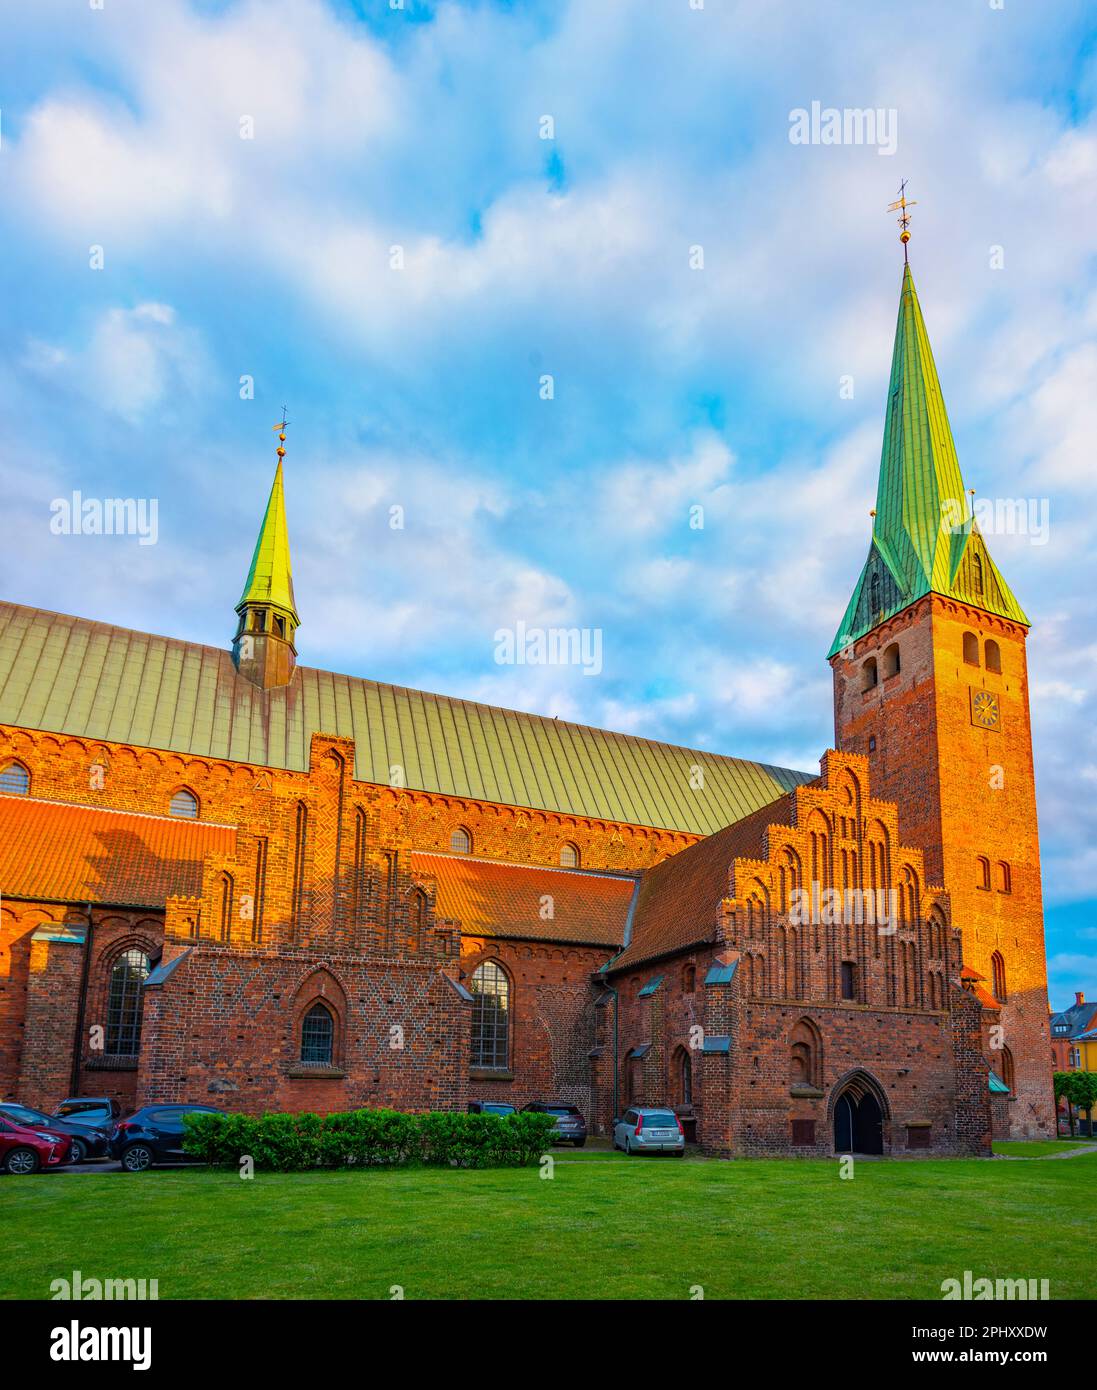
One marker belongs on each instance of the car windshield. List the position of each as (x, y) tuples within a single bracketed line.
[(661, 1119), (23, 1112), (498, 1109), (564, 1111)]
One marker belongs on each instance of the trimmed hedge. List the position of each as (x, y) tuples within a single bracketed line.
[(285, 1142)]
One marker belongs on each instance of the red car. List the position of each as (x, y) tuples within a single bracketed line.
[(24, 1150)]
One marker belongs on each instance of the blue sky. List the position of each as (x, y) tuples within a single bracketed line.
[(420, 127)]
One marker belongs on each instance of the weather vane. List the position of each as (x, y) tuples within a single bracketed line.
[(904, 217), (280, 427)]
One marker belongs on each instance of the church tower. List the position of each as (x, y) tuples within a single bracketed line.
[(931, 683), (263, 648)]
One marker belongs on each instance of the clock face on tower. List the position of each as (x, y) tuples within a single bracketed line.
[(985, 710)]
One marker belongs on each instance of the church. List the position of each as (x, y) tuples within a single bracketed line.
[(231, 879)]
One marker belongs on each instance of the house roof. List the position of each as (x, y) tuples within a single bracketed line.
[(496, 899), (1078, 1019), (680, 897), (62, 853), (94, 681), (924, 537)]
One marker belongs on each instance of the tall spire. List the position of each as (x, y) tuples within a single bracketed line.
[(925, 538), (263, 648)]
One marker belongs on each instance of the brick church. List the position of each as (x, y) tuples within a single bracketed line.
[(233, 879)]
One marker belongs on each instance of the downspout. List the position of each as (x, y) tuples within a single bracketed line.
[(81, 1008), (616, 997)]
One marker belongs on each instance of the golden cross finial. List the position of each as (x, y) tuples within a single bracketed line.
[(904, 217), (280, 427)]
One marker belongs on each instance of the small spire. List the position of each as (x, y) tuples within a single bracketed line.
[(904, 217)]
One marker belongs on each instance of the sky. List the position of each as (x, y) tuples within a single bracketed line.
[(553, 280)]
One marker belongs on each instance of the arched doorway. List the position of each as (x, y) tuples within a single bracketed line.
[(858, 1119)]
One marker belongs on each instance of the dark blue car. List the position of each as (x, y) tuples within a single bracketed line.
[(154, 1134)]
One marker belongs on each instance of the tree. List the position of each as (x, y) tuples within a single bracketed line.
[(1064, 1090), (1085, 1095)]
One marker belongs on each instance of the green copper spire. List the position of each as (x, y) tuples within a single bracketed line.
[(924, 537), (270, 580)]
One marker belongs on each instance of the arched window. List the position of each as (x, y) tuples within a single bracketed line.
[(971, 649), (1005, 877), (318, 1036), (977, 574), (227, 896), (689, 979), (300, 853), (982, 872), (418, 915), (849, 979), (569, 856), (1007, 1067), (684, 1078), (184, 804), (805, 1055), (460, 841), (874, 593), (14, 780), (993, 655), (868, 674), (490, 989), (124, 995), (998, 973), (891, 661)]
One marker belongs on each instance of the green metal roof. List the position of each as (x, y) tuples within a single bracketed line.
[(270, 579), (996, 1085), (89, 680), (924, 537)]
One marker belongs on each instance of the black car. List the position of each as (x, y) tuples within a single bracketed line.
[(87, 1141), (154, 1134), (100, 1112), (491, 1107), (571, 1128)]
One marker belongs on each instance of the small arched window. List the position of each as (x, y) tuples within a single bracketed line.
[(184, 804), (685, 1077), (689, 979), (998, 974), (124, 998), (982, 872), (418, 915), (14, 780), (1007, 1067), (569, 856), (971, 649), (849, 979), (318, 1036), (891, 661), (460, 841), (993, 656), (227, 895), (490, 989), (1005, 877), (868, 674)]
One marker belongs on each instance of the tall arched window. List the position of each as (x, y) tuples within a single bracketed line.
[(300, 849), (124, 997), (14, 780), (227, 896), (490, 990), (868, 674), (891, 660), (318, 1036), (569, 856), (993, 655), (977, 573), (460, 841), (684, 1078), (971, 649), (1005, 877), (184, 804), (1007, 1067), (998, 972), (874, 593), (418, 912), (982, 871)]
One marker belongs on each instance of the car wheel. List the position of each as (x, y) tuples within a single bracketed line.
[(579, 1143), (679, 1153), (136, 1158), (628, 1146), (78, 1152), (22, 1161)]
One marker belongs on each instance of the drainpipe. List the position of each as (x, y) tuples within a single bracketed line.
[(81, 1007)]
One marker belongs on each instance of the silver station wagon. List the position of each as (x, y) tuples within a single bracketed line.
[(649, 1129)]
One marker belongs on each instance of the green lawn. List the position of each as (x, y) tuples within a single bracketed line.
[(602, 1227), (1038, 1148)]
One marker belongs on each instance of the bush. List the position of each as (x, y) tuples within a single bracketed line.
[(287, 1142)]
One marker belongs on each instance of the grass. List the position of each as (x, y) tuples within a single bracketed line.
[(1038, 1148), (603, 1227)]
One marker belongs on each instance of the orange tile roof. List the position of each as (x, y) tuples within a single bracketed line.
[(62, 853), (680, 897), (490, 898)]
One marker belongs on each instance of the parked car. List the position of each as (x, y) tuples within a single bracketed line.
[(491, 1107), (24, 1150), (154, 1134), (649, 1129), (100, 1112), (571, 1128), (86, 1141)]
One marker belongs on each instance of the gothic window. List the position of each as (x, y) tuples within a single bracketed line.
[(998, 973), (977, 574), (1005, 877), (569, 856), (891, 660), (868, 674), (124, 997), (184, 804), (318, 1036), (689, 979), (14, 780), (683, 1076), (993, 656), (971, 649), (490, 989), (418, 913), (460, 841), (805, 1055), (1007, 1067), (849, 980), (874, 593), (982, 872), (300, 849), (227, 897)]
